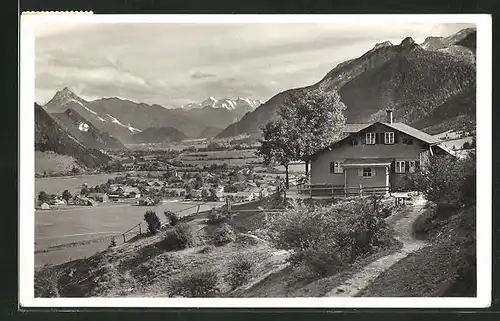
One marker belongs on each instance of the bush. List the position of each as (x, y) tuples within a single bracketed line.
[(448, 180), (112, 243), (177, 238), (206, 249), (239, 271), (386, 212), (245, 240), (172, 218), (46, 283), (217, 216), (424, 223), (223, 235), (328, 238), (196, 283), (153, 222)]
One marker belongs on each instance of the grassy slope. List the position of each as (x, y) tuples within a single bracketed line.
[(446, 268), (51, 162), (142, 268)]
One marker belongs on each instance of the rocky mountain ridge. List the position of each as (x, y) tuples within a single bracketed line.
[(415, 82)]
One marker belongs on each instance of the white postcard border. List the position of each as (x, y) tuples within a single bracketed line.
[(26, 166)]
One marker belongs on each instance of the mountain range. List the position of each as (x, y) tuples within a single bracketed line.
[(241, 104), (124, 118), (430, 86)]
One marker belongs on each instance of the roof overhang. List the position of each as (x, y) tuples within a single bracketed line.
[(368, 162)]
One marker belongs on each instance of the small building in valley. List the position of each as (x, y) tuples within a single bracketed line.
[(45, 206), (99, 197), (146, 201)]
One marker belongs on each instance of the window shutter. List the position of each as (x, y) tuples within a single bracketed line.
[(363, 138), (417, 165), (393, 166), (332, 165), (381, 138), (360, 171), (396, 138), (407, 166), (377, 141)]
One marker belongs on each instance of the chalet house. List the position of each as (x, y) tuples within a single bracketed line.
[(132, 192), (99, 197), (45, 206), (373, 156)]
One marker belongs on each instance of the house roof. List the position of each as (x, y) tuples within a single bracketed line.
[(353, 162), (96, 194), (413, 132)]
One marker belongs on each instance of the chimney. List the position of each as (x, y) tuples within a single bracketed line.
[(389, 116)]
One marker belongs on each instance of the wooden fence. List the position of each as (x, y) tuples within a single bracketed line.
[(336, 190)]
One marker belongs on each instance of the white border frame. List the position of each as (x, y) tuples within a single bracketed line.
[(26, 169)]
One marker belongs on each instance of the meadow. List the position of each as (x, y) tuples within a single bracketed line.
[(78, 225)]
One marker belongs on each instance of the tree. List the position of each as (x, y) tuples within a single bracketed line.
[(199, 181), (213, 195), (66, 195), (43, 197), (204, 194), (316, 120), (153, 222), (278, 145)]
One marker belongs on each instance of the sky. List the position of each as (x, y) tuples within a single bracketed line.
[(172, 64)]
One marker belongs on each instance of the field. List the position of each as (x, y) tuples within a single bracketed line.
[(63, 234), (231, 157)]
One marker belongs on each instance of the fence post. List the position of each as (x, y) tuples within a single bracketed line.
[(198, 209), (140, 228), (124, 238)]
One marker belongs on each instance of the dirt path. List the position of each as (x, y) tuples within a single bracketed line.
[(401, 223)]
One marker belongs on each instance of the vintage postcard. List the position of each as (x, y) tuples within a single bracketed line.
[(255, 160)]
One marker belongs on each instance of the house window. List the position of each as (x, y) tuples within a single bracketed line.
[(336, 167), (389, 138), (367, 172), (400, 167), (370, 138), (411, 166)]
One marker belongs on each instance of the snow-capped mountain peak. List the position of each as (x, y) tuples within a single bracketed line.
[(247, 104)]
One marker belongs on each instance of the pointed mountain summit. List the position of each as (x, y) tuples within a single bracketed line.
[(61, 99)]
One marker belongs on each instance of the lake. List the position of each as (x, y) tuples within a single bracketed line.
[(56, 185)]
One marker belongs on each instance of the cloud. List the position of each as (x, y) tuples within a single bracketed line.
[(173, 64), (201, 75)]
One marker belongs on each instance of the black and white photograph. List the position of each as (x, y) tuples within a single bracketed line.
[(256, 160)]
